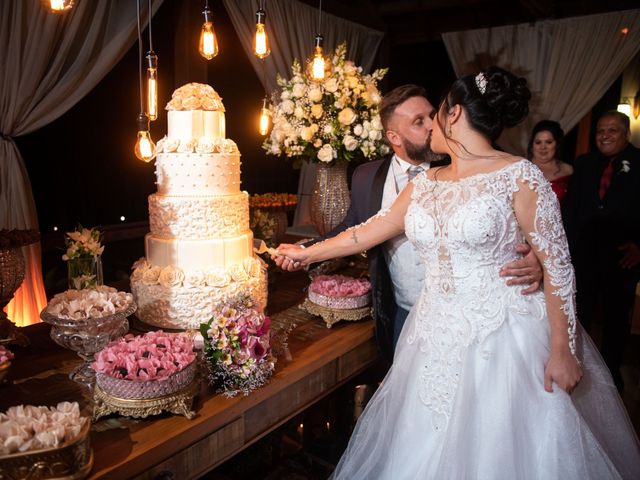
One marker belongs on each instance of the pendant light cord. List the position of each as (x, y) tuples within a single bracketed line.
[(150, 36), (319, 18), (140, 58)]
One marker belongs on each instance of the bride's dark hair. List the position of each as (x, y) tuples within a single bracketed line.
[(493, 99)]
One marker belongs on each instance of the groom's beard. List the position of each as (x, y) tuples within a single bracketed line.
[(421, 152)]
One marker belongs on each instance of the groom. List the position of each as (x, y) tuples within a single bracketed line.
[(395, 268)]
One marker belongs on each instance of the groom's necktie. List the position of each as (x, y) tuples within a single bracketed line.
[(413, 171)]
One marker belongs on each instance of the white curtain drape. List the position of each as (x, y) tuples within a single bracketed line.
[(291, 26), (48, 62), (569, 64)]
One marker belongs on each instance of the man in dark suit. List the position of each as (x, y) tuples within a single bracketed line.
[(395, 268), (602, 219)]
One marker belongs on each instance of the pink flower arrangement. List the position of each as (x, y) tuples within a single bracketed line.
[(237, 346), (152, 356), (340, 286), (5, 355)]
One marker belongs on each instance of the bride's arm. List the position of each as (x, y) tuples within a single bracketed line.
[(386, 224), (538, 213)]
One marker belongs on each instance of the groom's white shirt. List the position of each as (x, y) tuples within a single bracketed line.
[(405, 266)]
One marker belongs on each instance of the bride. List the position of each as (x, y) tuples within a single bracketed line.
[(486, 383)]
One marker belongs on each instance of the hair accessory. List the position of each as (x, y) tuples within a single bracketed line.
[(481, 83)]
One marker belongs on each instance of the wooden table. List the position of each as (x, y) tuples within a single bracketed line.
[(321, 360)]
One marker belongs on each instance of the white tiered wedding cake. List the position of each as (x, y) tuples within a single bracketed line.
[(200, 249)]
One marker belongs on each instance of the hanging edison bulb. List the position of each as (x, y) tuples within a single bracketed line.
[(208, 42), (57, 6), (152, 85), (265, 118), (318, 64), (145, 149), (261, 48)]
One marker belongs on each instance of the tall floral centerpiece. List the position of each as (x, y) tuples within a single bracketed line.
[(330, 122), (83, 258)]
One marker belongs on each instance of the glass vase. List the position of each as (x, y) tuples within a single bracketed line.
[(84, 272), (330, 199)]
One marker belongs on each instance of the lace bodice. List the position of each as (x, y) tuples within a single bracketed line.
[(466, 231)]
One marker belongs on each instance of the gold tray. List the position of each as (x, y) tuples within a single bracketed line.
[(69, 462), (334, 315), (179, 402)]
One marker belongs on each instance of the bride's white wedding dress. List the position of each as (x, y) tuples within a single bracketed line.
[(465, 396)]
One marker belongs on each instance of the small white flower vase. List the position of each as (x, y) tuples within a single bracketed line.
[(85, 272)]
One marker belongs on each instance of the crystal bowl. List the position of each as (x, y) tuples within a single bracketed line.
[(87, 336)]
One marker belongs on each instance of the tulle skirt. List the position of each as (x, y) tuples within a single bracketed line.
[(503, 424)]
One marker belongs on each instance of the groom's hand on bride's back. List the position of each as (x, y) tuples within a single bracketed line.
[(524, 271)]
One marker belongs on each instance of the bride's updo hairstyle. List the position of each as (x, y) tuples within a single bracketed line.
[(493, 99)]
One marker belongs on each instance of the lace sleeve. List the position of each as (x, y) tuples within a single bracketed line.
[(385, 224), (538, 213)]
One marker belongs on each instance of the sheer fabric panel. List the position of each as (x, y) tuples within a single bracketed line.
[(569, 64)]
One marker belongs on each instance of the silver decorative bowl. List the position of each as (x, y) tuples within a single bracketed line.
[(86, 337)]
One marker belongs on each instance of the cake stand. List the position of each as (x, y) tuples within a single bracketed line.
[(334, 315)]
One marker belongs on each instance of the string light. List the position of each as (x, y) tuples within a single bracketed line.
[(318, 64), (144, 149), (208, 47), (261, 48), (152, 76), (265, 118), (58, 6)]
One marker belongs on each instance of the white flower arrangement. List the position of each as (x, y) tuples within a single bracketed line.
[(328, 120), (83, 242)]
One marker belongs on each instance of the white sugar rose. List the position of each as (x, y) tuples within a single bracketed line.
[(285, 95), (205, 145), (315, 94), (228, 146), (171, 277), (218, 278), (326, 153), (171, 144), (316, 110), (186, 146), (191, 103), (350, 143), (357, 130), (238, 273), (150, 277), (347, 116), (375, 135), (196, 278)]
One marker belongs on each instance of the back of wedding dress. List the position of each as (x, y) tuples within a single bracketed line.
[(465, 397)]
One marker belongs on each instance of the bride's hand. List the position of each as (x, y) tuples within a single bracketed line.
[(563, 369), (290, 257)]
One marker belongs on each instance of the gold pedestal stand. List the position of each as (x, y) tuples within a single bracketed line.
[(334, 315), (179, 403)]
